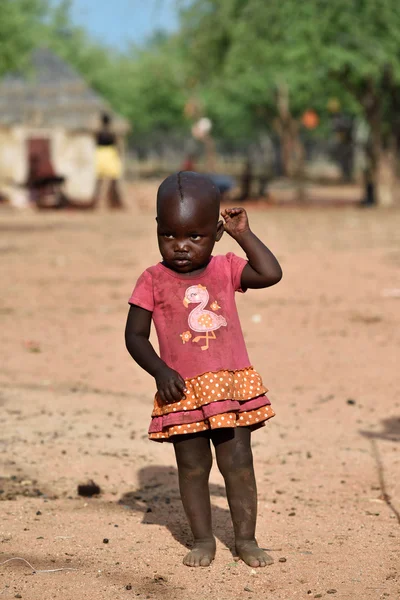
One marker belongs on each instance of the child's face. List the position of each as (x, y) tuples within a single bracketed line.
[(186, 234)]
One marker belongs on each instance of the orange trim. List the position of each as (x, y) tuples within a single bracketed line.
[(251, 418), (213, 387)]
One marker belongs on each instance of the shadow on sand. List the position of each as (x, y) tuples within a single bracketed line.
[(390, 432), (157, 497)]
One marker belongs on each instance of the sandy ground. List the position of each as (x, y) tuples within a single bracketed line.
[(74, 406)]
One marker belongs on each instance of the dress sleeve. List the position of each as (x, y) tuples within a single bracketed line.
[(143, 294), (236, 266)]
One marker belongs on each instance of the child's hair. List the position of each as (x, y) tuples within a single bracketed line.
[(105, 118), (185, 185)]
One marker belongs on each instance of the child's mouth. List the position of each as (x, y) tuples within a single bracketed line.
[(181, 262)]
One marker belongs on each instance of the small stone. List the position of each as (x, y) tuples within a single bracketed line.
[(309, 592), (331, 591), (128, 587), (89, 489), (38, 512), (292, 514), (318, 596), (247, 589), (149, 510), (105, 541), (351, 401), (17, 596), (282, 559)]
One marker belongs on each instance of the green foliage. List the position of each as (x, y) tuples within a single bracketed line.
[(349, 49), (144, 85), (148, 84), (231, 55), (20, 30)]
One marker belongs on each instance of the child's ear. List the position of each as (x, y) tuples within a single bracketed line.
[(220, 230)]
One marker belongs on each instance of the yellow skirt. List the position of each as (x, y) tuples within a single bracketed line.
[(108, 163)]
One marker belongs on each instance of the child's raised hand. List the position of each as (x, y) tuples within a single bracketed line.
[(170, 385), (236, 221)]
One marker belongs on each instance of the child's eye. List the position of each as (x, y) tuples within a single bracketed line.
[(169, 236), (195, 237)]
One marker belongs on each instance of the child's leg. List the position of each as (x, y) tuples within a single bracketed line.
[(194, 460), (235, 461)]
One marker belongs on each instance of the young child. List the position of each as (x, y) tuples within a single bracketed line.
[(207, 390)]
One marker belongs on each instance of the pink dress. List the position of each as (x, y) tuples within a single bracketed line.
[(200, 337)]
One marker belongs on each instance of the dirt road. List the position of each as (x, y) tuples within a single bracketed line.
[(74, 406)]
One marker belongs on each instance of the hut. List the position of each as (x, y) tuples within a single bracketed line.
[(53, 112)]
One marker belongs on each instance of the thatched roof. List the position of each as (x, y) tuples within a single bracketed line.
[(52, 94)]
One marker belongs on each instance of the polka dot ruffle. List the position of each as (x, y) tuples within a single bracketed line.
[(253, 419), (214, 387), (244, 389)]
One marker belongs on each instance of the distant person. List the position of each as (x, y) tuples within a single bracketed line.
[(246, 181), (189, 163), (223, 182), (108, 164), (207, 390)]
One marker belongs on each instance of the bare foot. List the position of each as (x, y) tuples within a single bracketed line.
[(201, 555), (252, 555)]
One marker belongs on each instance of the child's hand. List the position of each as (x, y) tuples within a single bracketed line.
[(236, 221), (170, 385)]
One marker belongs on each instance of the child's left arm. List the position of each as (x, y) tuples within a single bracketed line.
[(262, 270)]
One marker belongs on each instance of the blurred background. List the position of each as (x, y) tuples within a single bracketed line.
[(276, 100)]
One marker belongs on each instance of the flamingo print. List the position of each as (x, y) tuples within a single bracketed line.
[(200, 320)]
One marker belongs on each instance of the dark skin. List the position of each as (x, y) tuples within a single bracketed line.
[(187, 230)]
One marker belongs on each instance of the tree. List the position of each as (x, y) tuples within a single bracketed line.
[(144, 85), (316, 47), (21, 24)]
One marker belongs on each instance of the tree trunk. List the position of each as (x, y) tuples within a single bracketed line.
[(382, 168), (387, 177), (292, 150)]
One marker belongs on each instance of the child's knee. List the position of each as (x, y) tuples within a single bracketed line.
[(235, 464), (193, 466)]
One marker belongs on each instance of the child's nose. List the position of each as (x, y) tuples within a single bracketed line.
[(181, 246)]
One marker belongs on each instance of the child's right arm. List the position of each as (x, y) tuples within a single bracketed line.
[(170, 385)]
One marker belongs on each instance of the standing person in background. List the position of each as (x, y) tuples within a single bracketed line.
[(189, 163), (108, 164), (246, 180)]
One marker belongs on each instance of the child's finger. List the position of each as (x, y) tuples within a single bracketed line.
[(176, 392), (162, 396), (233, 212), (180, 384), (168, 395)]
